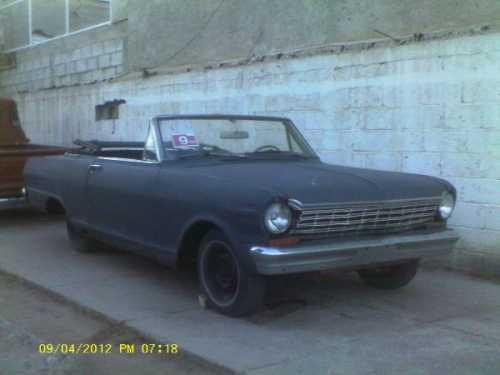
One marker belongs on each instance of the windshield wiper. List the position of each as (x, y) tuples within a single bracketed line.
[(281, 153), (224, 155)]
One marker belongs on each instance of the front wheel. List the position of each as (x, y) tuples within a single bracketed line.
[(390, 277), (228, 287)]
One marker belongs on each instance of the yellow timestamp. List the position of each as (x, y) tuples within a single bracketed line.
[(122, 348)]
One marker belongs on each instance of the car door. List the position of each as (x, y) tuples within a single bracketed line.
[(122, 193), (74, 187)]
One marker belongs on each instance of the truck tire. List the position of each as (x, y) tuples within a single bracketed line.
[(390, 277), (80, 241), (227, 286)]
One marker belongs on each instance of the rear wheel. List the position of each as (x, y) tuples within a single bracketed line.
[(390, 277), (228, 287), (80, 241)]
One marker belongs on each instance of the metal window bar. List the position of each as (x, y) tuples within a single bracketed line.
[(67, 24)]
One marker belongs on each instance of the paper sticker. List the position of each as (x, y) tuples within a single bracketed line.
[(184, 140)]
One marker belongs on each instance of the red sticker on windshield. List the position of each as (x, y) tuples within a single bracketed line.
[(184, 140)]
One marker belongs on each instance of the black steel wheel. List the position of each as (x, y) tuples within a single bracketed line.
[(390, 277), (228, 287)]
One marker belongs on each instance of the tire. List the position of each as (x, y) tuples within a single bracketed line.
[(227, 286), (80, 241), (390, 277)]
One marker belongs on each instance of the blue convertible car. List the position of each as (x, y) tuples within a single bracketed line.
[(243, 198)]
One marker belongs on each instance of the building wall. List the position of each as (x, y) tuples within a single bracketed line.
[(173, 33), (179, 32), (431, 107), (93, 56)]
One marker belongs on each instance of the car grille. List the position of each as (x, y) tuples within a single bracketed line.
[(364, 218)]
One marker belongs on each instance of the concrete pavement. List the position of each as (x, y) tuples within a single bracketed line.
[(30, 317), (441, 323)]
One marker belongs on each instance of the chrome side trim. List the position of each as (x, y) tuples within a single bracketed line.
[(128, 160)]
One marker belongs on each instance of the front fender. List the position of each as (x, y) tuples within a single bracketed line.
[(240, 229)]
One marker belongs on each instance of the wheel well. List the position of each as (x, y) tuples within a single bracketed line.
[(191, 241), (54, 206)]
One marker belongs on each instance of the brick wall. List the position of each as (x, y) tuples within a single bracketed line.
[(39, 69), (431, 107)]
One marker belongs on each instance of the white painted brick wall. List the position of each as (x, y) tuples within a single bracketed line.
[(64, 68), (430, 108)]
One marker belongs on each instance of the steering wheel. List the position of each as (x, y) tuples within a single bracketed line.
[(267, 148)]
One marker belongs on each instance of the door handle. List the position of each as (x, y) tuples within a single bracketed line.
[(95, 167)]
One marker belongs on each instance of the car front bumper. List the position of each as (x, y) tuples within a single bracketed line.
[(13, 203), (345, 254), (9, 203)]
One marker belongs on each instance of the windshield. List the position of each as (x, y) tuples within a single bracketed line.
[(229, 137)]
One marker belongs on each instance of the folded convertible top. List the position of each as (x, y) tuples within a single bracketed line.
[(94, 145)]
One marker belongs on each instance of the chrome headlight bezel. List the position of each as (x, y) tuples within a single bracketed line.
[(278, 218), (446, 206)]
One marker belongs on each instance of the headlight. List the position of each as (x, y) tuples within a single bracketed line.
[(447, 205), (278, 218)]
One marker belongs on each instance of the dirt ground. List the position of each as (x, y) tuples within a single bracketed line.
[(30, 317)]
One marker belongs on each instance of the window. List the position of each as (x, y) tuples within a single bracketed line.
[(14, 22), (48, 19), (226, 136), (29, 22), (85, 13)]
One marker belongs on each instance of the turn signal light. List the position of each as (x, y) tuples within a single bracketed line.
[(284, 242)]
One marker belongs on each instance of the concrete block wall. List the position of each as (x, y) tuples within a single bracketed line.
[(431, 107), (39, 69)]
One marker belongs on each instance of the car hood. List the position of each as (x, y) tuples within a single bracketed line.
[(317, 182)]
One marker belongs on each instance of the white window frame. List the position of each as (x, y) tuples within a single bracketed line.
[(67, 25)]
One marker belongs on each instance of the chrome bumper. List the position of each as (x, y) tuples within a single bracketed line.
[(14, 202), (339, 254)]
